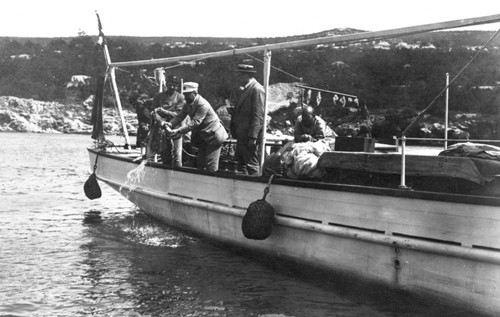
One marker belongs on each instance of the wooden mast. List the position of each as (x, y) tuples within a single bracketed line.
[(340, 39), (111, 71)]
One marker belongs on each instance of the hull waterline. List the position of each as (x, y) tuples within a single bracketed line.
[(440, 248)]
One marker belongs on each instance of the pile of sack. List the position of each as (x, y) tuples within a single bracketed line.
[(298, 160)]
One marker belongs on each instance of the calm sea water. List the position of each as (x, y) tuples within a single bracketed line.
[(63, 255)]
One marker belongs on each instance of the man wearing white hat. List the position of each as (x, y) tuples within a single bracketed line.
[(205, 126)]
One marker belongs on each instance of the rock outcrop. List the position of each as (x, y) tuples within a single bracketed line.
[(28, 115)]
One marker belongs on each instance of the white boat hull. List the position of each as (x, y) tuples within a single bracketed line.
[(450, 250)]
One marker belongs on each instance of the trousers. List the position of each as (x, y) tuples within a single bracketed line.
[(174, 155), (208, 156)]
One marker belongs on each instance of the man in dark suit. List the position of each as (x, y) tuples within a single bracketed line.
[(247, 121)]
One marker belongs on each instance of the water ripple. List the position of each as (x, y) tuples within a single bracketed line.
[(63, 255)]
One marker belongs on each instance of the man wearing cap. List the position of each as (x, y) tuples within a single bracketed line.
[(205, 126), (248, 120), (167, 105)]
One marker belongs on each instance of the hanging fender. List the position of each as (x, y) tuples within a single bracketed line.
[(258, 220), (91, 186)]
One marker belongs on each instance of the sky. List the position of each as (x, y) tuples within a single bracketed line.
[(229, 18)]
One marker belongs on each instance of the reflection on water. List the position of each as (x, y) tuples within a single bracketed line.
[(64, 255)]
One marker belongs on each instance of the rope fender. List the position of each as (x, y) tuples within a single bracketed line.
[(258, 220), (91, 186)]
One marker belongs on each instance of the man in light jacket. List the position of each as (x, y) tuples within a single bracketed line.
[(247, 121), (208, 133)]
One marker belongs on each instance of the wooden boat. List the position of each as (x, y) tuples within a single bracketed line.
[(442, 244)]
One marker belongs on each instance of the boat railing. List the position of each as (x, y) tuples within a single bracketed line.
[(403, 140)]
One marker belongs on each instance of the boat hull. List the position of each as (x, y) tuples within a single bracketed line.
[(426, 246)]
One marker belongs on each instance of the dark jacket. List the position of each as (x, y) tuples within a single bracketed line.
[(247, 120)]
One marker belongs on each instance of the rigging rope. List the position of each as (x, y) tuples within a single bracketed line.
[(182, 63), (449, 84), (123, 70), (278, 69)]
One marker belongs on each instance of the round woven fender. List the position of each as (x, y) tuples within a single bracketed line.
[(91, 188), (258, 221)]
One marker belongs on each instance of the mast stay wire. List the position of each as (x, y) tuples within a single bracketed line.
[(421, 113), (301, 79)]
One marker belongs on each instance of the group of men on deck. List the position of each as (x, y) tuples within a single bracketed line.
[(186, 120)]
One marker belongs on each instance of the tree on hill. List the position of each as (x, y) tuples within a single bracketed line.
[(381, 78)]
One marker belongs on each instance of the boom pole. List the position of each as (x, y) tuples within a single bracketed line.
[(339, 39)]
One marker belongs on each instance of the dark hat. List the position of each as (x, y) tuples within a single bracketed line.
[(173, 80), (244, 68)]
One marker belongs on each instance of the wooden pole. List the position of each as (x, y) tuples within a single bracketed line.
[(119, 106), (111, 71), (446, 111), (267, 72), (340, 39)]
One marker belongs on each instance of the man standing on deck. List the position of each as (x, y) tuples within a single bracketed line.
[(207, 130), (143, 105), (167, 105), (247, 121)]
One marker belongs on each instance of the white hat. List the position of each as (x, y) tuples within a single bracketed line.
[(190, 87), (244, 68)]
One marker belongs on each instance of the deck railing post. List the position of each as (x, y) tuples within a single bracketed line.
[(403, 164), (446, 111)]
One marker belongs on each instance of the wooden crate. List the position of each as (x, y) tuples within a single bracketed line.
[(349, 144)]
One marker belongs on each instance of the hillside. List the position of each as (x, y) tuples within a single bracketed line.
[(384, 74), (456, 38), (393, 78)]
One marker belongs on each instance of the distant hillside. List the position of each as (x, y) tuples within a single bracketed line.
[(147, 40), (451, 37), (390, 73)]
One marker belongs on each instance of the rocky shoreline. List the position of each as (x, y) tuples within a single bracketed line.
[(33, 116)]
